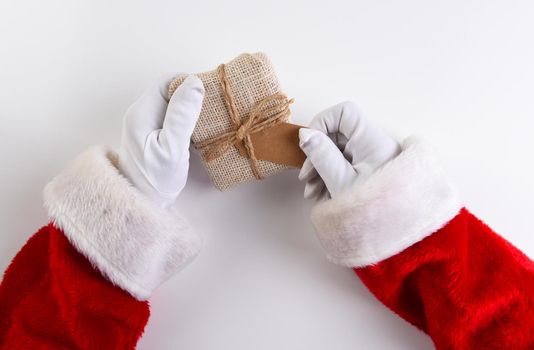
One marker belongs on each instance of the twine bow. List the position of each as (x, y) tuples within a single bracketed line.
[(268, 112)]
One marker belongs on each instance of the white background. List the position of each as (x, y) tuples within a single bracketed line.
[(458, 72)]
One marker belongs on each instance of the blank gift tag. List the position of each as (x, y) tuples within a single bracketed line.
[(277, 144)]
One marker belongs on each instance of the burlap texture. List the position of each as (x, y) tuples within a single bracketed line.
[(252, 78)]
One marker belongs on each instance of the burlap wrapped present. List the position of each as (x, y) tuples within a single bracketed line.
[(243, 125)]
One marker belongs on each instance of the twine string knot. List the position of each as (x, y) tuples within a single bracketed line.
[(241, 132)]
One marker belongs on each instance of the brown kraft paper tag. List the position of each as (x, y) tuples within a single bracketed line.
[(278, 144)]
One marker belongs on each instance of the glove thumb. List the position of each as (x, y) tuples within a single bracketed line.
[(183, 111), (327, 159)]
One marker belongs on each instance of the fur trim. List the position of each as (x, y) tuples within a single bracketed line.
[(135, 244), (401, 203)]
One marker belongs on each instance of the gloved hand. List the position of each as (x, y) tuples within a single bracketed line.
[(342, 146), (154, 153)]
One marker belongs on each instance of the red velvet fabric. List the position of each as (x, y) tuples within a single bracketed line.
[(52, 298), (464, 285)]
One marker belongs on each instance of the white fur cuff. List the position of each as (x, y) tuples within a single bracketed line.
[(401, 203), (135, 245)]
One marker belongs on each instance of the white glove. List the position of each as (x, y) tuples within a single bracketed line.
[(342, 146), (154, 153)]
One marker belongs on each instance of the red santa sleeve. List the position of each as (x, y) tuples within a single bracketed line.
[(429, 260), (82, 281)]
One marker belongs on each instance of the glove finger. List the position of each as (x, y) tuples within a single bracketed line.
[(370, 144), (333, 168), (324, 195), (182, 113), (314, 184), (147, 113), (307, 172), (314, 188), (357, 136), (342, 118)]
